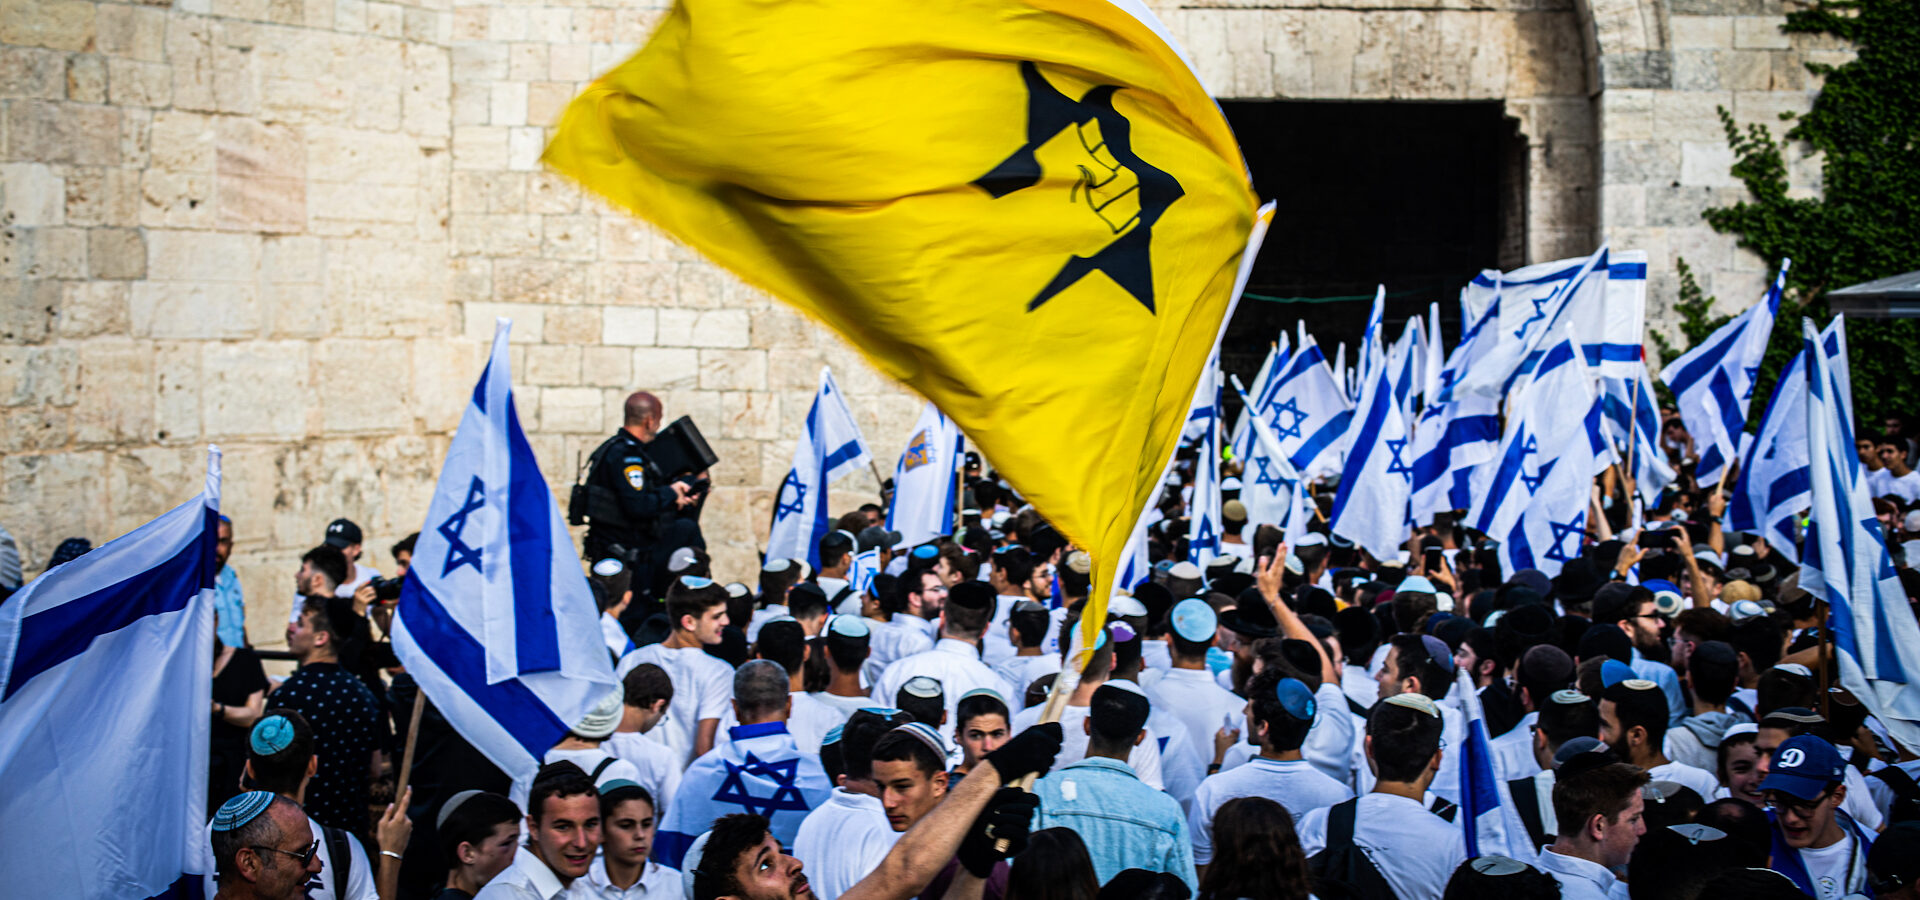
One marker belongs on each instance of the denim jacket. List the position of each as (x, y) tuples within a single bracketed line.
[(1125, 823)]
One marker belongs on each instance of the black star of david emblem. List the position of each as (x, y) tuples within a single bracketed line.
[(1294, 417), (783, 508), (1576, 529), (458, 553), (786, 794), (1267, 478), (1125, 192), (1395, 465)]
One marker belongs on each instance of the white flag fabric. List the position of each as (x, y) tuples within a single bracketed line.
[(1772, 485), (1549, 410), (1632, 418), (1270, 487), (1405, 360), (830, 446), (495, 620), (1490, 823), (923, 488), (105, 673), (1277, 355), (1372, 340), (1713, 382), (1552, 527), (1458, 430), (1203, 518), (1531, 306), (860, 573), (1370, 508), (1875, 638), (1308, 411), (1435, 357)]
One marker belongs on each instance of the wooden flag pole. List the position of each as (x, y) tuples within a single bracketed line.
[(413, 739)]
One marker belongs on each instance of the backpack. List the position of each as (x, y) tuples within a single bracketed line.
[(1342, 870), (340, 852), (1906, 794)]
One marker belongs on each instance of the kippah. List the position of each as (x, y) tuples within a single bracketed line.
[(776, 566), (736, 590), (609, 567), (1025, 606), (1122, 632), (1296, 699), (1794, 669), (1185, 571), (1417, 702), (696, 582), (1697, 834), (922, 686), (1639, 684), (1798, 715), (617, 784), (971, 595), (1499, 865), (1575, 747), (926, 551), (453, 803), (1079, 562), (1739, 729), (1614, 672), (1569, 697), (1438, 651), (884, 712), (1193, 620), (271, 735), (984, 692), (926, 735), (1583, 763), (1311, 539), (1415, 584), (240, 810), (833, 735), (850, 626), (690, 863), (1125, 605)]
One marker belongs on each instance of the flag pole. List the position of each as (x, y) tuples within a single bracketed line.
[(413, 740)]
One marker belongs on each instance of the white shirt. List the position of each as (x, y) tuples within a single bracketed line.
[(842, 841), (1906, 487), (529, 879), (1512, 752), (1201, 706), (1453, 733), (615, 636), (1021, 671), (321, 886), (1580, 879), (1700, 781), (657, 882), (846, 706), (887, 642), (1294, 784), (808, 722), (1358, 684), (955, 664), (1333, 734), (1415, 850), (1143, 759), (762, 616), (846, 606), (702, 689), (1834, 870), (659, 769)]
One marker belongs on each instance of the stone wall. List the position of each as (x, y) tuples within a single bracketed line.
[(287, 226)]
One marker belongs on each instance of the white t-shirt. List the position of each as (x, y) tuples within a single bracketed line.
[(1202, 706), (842, 841), (1829, 867), (1294, 784), (889, 641), (1415, 850), (659, 769), (1701, 781), (702, 689)]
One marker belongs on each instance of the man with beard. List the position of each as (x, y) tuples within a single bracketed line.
[(262, 848), (740, 860), (1633, 609), (1633, 723)]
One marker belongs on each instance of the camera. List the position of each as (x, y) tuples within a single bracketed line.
[(386, 589)]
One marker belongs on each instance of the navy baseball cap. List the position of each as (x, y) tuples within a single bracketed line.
[(1805, 766)]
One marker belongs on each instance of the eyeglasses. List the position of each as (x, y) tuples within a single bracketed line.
[(1801, 809), (304, 858)]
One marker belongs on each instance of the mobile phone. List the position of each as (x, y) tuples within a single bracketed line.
[(1655, 540), (1436, 559)]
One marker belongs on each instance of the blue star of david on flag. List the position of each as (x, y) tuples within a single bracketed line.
[(1532, 448), (1576, 529), (786, 794), (1289, 426), (1539, 313), (1266, 477), (458, 552), (784, 507), (1395, 465)]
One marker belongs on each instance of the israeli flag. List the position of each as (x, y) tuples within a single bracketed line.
[(1435, 357), (860, 573), (1531, 307), (1550, 409), (1277, 355), (1203, 518), (105, 675), (496, 621), (1372, 357), (1491, 823), (830, 446), (1456, 432), (1404, 360), (923, 485), (1343, 374), (1552, 527), (1271, 488), (1772, 486), (1371, 506), (1846, 562), (1633, 425), (1308, 411), (1714, 381)]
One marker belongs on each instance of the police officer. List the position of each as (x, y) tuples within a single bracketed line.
[(635, 512)]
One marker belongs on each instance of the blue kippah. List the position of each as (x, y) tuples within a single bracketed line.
[(243, 808), (1194, 620), (1296, 699), (1613, 672), (833, 735), (271, 735), (926, 551)]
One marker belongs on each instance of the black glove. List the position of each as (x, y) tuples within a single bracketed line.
[(1009, 818), (1029, 752)]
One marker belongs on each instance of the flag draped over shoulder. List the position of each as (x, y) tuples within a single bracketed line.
[(105, 673), (1030, 211)]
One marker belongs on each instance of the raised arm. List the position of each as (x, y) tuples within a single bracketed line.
[(1268, 575)]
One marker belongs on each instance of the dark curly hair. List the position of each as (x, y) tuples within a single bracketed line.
[(1256, 854)]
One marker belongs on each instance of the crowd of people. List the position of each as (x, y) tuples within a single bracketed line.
[(1275, 722)]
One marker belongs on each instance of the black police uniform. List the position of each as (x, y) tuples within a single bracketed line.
[(642, 526)]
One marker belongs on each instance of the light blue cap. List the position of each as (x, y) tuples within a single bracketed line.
[(833, 735), (1194, 620), (926, 551), (240, 810), (271, 735), (1416, 584), (850, 626)]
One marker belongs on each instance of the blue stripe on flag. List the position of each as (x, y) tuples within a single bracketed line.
[(536, 631), (53, 636), (1328, 433), (1627, 271), (1364, 444), (1703, 365), (1504, 476), (510, 703), (1787, 487)]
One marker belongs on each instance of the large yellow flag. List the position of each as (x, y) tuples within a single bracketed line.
[(1028, 210)]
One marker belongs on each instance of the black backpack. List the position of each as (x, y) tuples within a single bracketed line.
[(1342, 870), (1906, 794)]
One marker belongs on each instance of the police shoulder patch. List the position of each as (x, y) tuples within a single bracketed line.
[(637, 477)]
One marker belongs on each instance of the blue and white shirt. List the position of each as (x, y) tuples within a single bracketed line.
[(759, 770)]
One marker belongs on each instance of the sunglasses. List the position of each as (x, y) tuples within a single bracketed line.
[(304, 857)]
